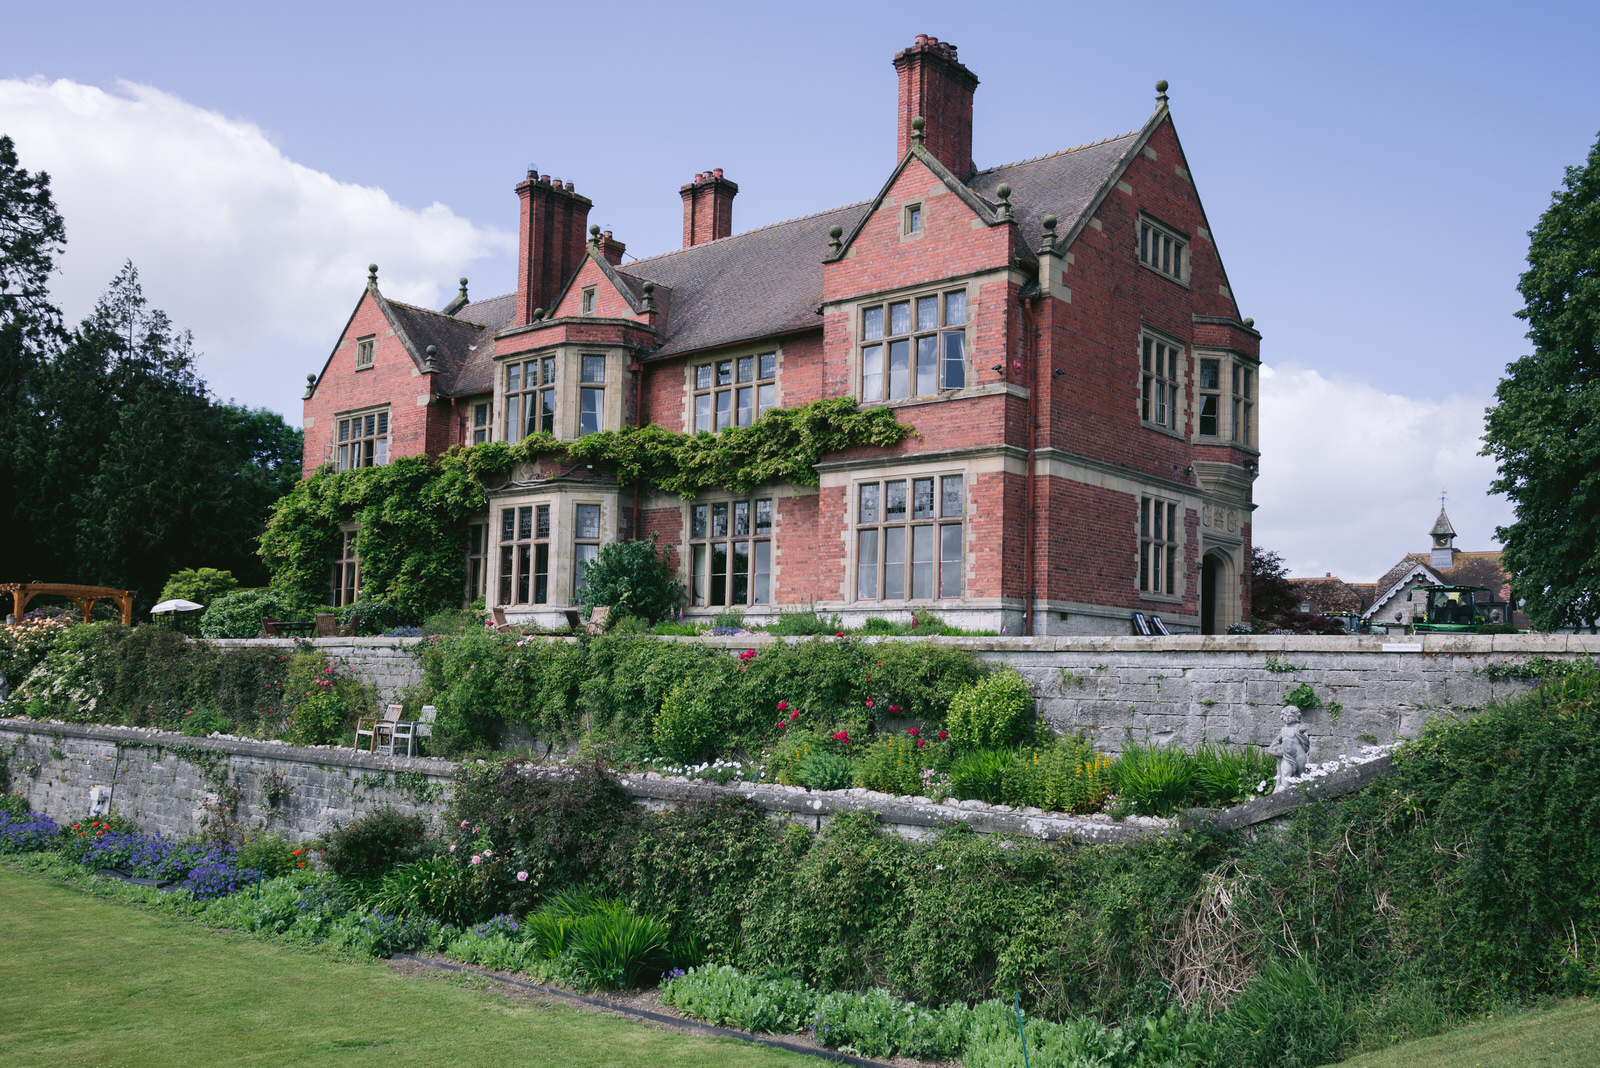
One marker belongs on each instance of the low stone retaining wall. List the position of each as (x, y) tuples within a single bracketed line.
[(1183, 688), (169, 783)]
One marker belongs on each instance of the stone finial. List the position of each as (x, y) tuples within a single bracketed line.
[(917, 124), (538, 313), (594, 234), (372, 276), (1004, 193), (1251, 323), (1048, 245), (1161, 91), (311, 387), (835, 246), (649, 297), (430, 360), (463, 286)]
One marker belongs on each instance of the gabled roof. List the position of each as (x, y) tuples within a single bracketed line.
[(1469, 569), (464, 342), (758, 284), (767, 282)]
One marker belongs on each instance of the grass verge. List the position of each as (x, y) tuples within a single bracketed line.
[(89, 982), (1565, 1036)]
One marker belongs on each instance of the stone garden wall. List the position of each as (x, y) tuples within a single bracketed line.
[(1184, 688), (1178, 689)]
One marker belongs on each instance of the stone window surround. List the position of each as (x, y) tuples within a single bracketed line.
[(380, 456), (850, 311), (859, 342), (1227, 358), (690, 543), (563, 501), (1175, 538), (1180, 401), (569, 365), (734, 352), (366, 349), (755, 384), (1181, 241), (852, 526)]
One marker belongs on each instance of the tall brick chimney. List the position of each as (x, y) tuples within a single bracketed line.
[(935, 86), (707, 207), (551, 242)]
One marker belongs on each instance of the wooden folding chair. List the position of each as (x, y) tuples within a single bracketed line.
[(1141, 624), (383, 730), (599, 619)]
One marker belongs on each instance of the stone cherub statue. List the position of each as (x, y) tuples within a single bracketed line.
[(1292, 748)]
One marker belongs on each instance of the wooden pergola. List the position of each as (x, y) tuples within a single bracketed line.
[(23, 592)]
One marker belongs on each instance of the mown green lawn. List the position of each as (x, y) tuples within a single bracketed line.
[(1566, 1036), (86, 982)]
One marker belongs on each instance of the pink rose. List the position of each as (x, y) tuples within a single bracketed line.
[(783, 706), (522, 876), (476, 859), (452, 847), (869, 702)]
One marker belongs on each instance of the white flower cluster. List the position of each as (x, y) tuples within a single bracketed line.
[(1365, 755)]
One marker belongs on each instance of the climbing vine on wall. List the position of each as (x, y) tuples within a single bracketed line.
[(782, 446), (413, 513)]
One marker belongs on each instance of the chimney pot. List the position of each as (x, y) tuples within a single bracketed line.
[(571, 188), (935, 86), (707, 207), (551, 245)]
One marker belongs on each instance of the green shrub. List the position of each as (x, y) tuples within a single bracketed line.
[(323, 701), (1066, 775), (436, 887), (25, 644), (992, 711), (371, 616), (202, 585), (634, 579), (453, 621), (893, 765), (239, 614), (615, 947), (375, 843), (1286, 1017), (697, 715), (1225, 776), (803, 623), (1302, 697), (201, 722), (13, 805), (270, 854), (1154, 780), (980, 774), (824, 771), (727, 997)]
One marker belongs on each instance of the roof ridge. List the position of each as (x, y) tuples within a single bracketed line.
[(747, 233), (440, 314), (1061, 152)]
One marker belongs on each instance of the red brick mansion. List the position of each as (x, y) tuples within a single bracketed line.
[(1059, 332)]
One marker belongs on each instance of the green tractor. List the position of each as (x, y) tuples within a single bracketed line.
[(1448, 608)]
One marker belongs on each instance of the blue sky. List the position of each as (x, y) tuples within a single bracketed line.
[(1370, 172)]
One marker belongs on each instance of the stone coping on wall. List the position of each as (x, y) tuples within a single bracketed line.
[(1401, 644), (913, 817), (333, 756)]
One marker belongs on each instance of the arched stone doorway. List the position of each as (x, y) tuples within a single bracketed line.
[(1219, 593)]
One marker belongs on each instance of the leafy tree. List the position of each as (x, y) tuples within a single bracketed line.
[(32, 235), (201, 585), (1544, 430), (1271, 592), (634, 579)]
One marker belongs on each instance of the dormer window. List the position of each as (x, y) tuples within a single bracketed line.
[(1163, 250), (586, 302), (364, 349)]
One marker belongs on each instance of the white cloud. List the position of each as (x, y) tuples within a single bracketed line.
[(261, 257), (1351, 475)]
